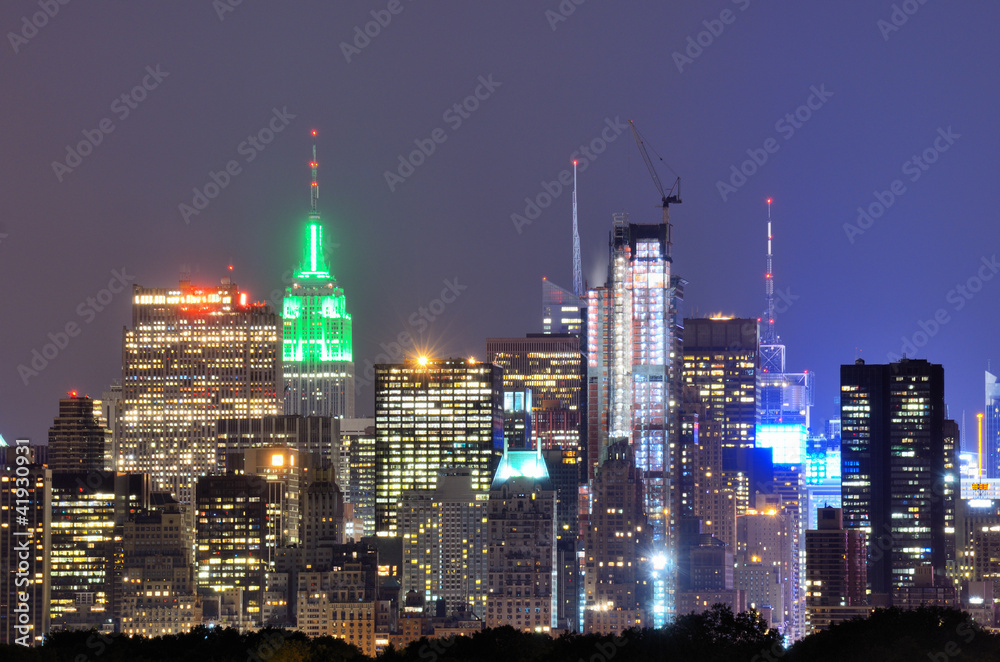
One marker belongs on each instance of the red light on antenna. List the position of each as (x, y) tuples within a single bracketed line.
[(574, 161), (769, 201), (315, 184), (72, 394), (314, 132), (230, 267)]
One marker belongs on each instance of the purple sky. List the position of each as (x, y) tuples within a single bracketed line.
[(886, 95)]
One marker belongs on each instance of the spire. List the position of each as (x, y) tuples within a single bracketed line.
[(314, 189), (769, 337), (313, 259), (577, 269)]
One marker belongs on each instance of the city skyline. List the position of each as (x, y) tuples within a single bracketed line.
[(454, 220)]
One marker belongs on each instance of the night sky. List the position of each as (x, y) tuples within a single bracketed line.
[(886, 82)]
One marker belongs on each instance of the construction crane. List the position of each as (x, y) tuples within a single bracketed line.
[(666, 197)]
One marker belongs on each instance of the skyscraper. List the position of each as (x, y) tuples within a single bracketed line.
[(562, 310), (634, 359), (25, 547), (720, 360), (836, 569), (232, 530), (79, 439), (431, 414), (894, 468), (318, 341), (552, 366), (617, 585), (444, 542), (88, 513), (193, 356), (991, 433), (521, 558)]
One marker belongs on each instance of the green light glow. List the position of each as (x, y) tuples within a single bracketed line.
[(317, 326), (313, 260), (520, 463)]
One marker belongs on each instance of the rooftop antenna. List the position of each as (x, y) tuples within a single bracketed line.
[(577, 268), (770, 338), (314, 189)]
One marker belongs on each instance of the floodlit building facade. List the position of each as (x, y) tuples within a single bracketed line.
[(194, 355), (318, 333), (431, 414)]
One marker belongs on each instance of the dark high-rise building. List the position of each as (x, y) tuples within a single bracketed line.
[(836, 568), (521, 543), (232, 530), (194, 355), (893, 458), (720, 361), (431, 414), (25, 547), (617, 583), (552, 366), (79, 439), (564, 466), (318, 332)]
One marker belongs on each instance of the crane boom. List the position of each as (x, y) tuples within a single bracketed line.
[(666, 197)]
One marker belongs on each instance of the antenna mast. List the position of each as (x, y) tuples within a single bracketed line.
[(770, 337), (314, 189), (577, 268)]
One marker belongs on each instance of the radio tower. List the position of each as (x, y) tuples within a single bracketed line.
[(577, 269), (772, 352)]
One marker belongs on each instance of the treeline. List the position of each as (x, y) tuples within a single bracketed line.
[(717, 635)]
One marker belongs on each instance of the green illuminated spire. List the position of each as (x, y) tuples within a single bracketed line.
[(313, 259)]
